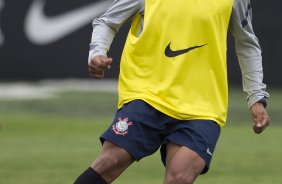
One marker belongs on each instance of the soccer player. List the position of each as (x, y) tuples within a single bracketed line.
[(173, 83)]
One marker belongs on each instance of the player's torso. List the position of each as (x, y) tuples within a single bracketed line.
[(177, 64)]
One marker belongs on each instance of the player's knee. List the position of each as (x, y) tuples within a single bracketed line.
[(181, 178), (185, 178), (106, 162), (111, 160)]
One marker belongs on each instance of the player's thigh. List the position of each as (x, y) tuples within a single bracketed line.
[(182, 164), (200, 136)]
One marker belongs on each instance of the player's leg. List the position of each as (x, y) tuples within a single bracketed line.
[(183, 165), (188, 150), (133, 135), (110, 163)]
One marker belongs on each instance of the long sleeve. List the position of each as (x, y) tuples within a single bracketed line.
[(106, 26), (248, 51)]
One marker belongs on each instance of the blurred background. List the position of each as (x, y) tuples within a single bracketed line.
[(52, 112), (42, 39)]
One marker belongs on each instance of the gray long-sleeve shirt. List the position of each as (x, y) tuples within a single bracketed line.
[(246, 43)]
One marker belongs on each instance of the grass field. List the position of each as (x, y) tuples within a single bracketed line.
[(52, 141)]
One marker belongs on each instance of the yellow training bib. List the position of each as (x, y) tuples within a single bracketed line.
[(178, 63)]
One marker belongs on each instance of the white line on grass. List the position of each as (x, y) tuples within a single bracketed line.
[(50, 88)]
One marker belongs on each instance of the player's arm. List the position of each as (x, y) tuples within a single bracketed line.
[(250, 60), (104, 30)]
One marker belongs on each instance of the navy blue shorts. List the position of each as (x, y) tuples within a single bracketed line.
[(142, 130)]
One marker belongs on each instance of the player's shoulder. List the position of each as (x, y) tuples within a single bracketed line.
[(124, 8), (129, 4), (242, 3), (139, 3)]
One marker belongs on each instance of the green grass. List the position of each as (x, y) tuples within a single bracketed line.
[(53, 141)]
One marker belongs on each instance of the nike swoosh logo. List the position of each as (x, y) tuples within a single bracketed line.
[(174, 53), (43, 30), (208, 152)]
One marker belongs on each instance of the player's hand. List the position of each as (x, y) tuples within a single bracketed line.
[(260, 117), (98, 65)]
